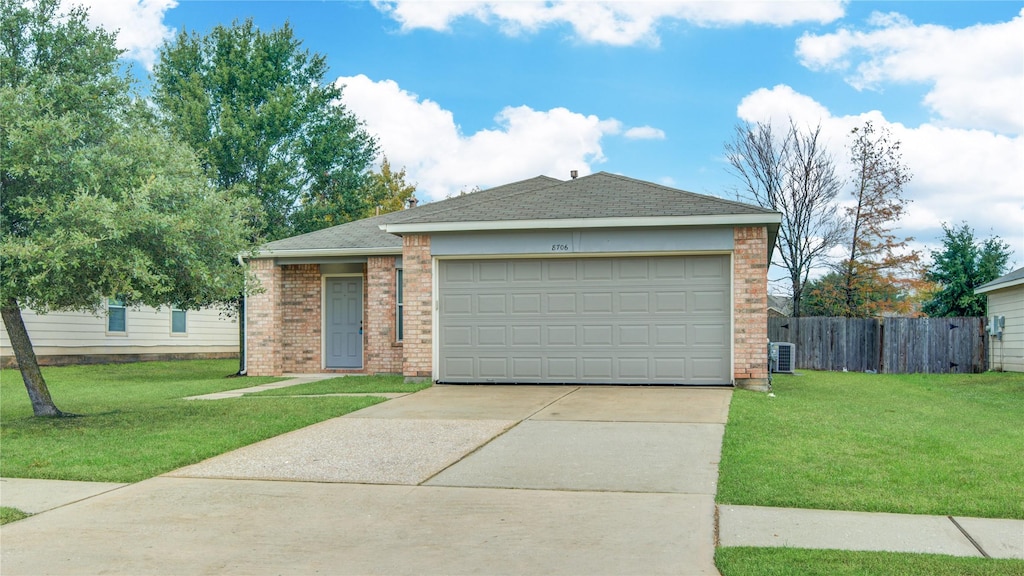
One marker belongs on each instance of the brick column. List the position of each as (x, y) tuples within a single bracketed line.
[(300, 319), (383, 352), (263, 327), (417, 307), (750, 301)]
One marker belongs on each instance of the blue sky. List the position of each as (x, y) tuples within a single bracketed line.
[(466, 94)]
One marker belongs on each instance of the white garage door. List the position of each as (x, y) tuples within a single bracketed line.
[(638, 320)]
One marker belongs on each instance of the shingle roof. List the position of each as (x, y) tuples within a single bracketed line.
[(600, 195), (1012, 279)]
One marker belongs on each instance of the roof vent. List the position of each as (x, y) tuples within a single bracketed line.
[(574, 173), (413, 202)]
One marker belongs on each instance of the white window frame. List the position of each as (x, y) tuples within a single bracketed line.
[(117, 304), (184, 317), (399, 306)]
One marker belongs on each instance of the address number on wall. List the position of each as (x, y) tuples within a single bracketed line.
[(559, 247)]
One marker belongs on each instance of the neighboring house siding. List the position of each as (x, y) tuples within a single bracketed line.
[(750, 296), (1007, 354), (418, 340), (383, 351), (81, 337)]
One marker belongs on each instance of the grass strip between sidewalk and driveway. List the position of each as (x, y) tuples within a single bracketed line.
[(941, 444), (133, 423), (348, 385), (741, 561), (8, 514)]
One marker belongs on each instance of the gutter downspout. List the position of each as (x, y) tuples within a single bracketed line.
[(244, 319)]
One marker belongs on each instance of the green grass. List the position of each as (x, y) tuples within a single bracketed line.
[(133, 424), (348, 385), (918, 444), (743, 561), (8, 514)]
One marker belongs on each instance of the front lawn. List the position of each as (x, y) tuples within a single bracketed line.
[(910, 443), (133, 424), (789, 561)]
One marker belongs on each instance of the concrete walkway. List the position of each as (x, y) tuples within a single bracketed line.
[(581, 481), (291, 380), (458, 480)]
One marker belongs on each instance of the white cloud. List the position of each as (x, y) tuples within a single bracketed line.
[(421, 136), (606, 22), (644, 133), (976, 73), (959, 175), (138, 23)]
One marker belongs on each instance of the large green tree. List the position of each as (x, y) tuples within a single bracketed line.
[(959, 267), (256, 110), (97, 200)]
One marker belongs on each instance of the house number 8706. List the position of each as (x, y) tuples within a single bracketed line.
[(559, 247)]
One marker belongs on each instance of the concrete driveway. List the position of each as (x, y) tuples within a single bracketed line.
[(450, 480)]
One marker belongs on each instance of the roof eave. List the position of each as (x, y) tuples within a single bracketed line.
[(324, 252), (562, 223), (999, 286)]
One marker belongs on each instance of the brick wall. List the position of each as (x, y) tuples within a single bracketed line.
[(263, 321), (750, 299), (418, 306), (300, 318), (383, 352)]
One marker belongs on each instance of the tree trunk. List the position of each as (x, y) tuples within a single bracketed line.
[(38, 393)]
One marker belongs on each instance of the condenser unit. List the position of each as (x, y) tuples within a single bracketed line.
[(784, 356)]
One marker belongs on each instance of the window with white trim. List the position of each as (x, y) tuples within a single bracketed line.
[(399, 329), (116, 316), (178, 321)]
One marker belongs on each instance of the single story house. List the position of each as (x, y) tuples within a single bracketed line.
[(595, 280), (123, 334), (1005, 321)]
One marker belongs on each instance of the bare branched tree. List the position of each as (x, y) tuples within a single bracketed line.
[(793, 174)]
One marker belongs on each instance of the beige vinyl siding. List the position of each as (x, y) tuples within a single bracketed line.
[(147, 331), (1007, 354)]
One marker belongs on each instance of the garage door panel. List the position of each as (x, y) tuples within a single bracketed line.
[(634, 302), (564, 303), (561, 335), (491, 336), (633, 368), (454, 304), (670, 335), (560, 270), (668, 302), (491, 304), (585, 320), (635, 335), (526, 303), (670, 369), (597, 369)]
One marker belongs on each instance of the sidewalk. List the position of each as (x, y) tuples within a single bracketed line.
[(737, 525), (291, 380), (797, 528)]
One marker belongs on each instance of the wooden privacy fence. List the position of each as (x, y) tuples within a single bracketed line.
[(887, 345)]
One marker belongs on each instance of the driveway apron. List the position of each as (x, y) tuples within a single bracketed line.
[(450, 480)]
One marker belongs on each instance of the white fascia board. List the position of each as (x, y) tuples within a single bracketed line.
[(993, 288), (641, 222), (327, 252)]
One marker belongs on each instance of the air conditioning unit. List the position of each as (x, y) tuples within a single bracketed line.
[(784, 357)]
